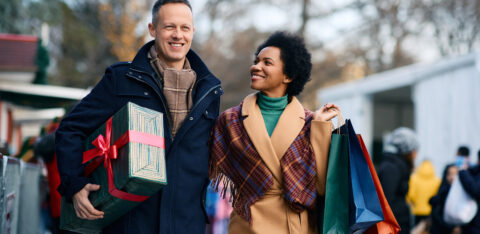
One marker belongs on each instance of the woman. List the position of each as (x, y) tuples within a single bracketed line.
[(400, 150), (271, 151)]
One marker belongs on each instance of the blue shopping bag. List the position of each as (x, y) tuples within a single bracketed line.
[(365, 208)]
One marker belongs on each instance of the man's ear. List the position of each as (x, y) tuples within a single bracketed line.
[(151, 29)]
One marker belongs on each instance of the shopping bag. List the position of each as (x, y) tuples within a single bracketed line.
[(389, 224), (335, 215), (365, 208), (460, 207)]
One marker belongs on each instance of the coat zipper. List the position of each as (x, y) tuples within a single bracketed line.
[(162, 101)]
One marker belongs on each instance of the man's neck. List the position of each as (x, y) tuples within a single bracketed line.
[(176, 65)]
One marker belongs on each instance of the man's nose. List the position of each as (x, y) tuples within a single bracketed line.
[(177, 34)]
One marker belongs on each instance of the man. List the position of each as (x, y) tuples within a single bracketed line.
[(166, 76)]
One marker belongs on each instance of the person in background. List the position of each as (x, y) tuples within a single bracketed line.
[(423, 185), (44, 148), (470, 179), (399, 152), (438, 203), (478, 157), (270, 151), (462, 160)]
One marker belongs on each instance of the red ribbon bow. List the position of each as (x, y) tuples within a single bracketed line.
[(104, 152)]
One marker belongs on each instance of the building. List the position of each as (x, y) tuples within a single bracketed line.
[(25, 107), (440, 101)]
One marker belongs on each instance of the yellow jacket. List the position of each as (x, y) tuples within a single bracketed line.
[(423, 185)]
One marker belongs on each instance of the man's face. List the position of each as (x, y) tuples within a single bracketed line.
[(173, 33)]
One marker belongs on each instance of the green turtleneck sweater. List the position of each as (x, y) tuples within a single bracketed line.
[(271, 109)]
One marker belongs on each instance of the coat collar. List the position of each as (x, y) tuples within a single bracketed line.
[(288, 127)]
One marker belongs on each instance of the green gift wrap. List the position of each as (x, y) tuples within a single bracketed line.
[(132, 143)]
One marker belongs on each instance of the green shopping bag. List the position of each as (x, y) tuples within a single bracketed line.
[(336, 216)]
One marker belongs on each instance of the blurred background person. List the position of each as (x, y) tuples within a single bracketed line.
[(423, 185), (44, 148), (478, 157), (462, 160), (438, 203), (399, 151), (470, 179)]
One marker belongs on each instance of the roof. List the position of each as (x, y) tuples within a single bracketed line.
[(18, 52), (398, 77), (40, 96)]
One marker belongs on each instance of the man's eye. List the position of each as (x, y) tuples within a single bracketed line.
[(186, 28)]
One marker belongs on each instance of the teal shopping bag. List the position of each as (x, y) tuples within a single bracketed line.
[(336, 206)]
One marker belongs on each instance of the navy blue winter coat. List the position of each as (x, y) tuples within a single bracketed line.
[(180, 206)]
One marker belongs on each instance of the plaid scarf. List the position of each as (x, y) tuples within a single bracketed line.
[(177, 88), (235, 161)]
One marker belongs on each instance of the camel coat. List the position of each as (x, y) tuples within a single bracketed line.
[(271, 214)]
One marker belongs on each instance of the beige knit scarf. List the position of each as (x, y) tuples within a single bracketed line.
[(177, 88)]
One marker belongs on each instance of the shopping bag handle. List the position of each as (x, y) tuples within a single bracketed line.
[(340, 121)]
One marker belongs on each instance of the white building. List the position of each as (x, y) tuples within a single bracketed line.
[(440, 101)]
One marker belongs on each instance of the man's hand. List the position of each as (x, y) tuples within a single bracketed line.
[(83, 207)]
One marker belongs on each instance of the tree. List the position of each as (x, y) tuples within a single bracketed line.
[(12, 13), (83, 52), (456, 25), (119, 21)]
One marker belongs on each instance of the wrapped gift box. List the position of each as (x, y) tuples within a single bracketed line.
[(139, 167)]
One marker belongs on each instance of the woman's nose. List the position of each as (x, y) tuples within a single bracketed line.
[(254, 68)]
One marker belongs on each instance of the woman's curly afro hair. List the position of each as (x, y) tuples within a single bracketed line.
[(295, 56)]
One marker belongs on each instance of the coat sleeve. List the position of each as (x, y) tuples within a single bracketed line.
[(90, 113), (470, 184), (320, 138)]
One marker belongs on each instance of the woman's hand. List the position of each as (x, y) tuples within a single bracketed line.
[(326, 112)]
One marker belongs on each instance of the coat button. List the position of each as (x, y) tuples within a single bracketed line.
[(139, 76), (216, 92), (206, 112), (130, 73), (191, 118), (146, 93)]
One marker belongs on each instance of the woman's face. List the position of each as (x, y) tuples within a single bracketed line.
[(267, 73), (452, 172)]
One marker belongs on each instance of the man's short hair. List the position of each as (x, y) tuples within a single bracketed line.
[(160, 3), (295, 56), (463, 151)]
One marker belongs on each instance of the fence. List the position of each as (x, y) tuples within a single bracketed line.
[(19, 196)]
